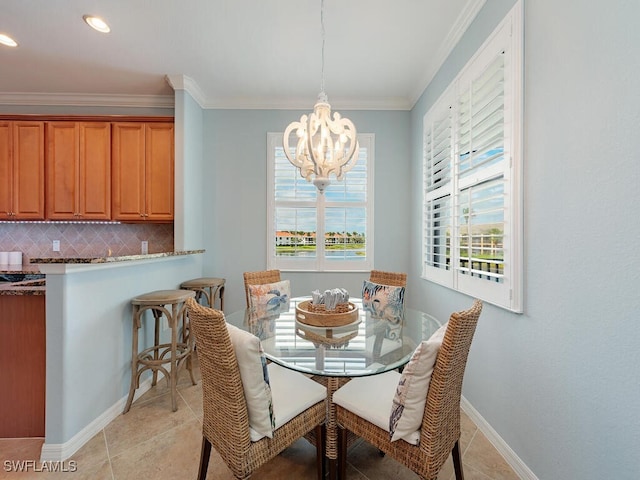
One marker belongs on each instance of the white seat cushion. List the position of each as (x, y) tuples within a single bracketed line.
[(292, 393), (371, 398)]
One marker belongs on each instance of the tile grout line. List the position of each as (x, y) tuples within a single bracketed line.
[(106, 444), (187, 404)]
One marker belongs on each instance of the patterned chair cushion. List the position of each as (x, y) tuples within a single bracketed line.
[(383, 301), (411, 393), (269, 298)]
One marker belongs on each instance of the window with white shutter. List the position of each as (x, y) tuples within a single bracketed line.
[(319, 232), (472, 157)]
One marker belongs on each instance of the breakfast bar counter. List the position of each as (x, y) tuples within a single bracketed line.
[(88, 337), (107, 259)]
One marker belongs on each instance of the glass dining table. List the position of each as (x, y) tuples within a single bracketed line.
[(368, 345)]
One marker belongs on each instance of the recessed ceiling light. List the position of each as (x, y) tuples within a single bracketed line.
[(97, 23), (7, 40)]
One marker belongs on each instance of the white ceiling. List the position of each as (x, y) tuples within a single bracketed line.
[(379, 54)]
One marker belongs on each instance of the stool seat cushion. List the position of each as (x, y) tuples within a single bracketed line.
[(255, 381)]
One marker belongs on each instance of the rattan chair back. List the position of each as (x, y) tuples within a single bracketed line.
[(440, 431), (225, 422), (394, 279), (259, 278), (225, 418), (441, 420)]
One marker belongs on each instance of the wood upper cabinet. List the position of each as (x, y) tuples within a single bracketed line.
[(21, 170), (78, 170), (143, 171)]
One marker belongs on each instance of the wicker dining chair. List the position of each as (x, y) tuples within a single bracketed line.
[(259, 278), (440, 428), (225, 423), (388, 278)]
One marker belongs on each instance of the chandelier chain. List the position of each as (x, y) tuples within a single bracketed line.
[(324, 146), (323, 35)]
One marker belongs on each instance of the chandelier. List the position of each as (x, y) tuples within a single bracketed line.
[(325, 146)]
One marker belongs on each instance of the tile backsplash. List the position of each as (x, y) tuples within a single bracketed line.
[(35, 239)]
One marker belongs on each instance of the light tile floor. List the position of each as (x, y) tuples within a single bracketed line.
[(151, 442)]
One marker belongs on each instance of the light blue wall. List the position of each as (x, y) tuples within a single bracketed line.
[(560, 383), (235, 169), (188, 234)]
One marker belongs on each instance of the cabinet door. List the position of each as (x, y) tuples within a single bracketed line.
[(128, 157), (78, 171), (94, 184), (28, 170), (159, 172), (23, 371), (6, 170), (62, 170)]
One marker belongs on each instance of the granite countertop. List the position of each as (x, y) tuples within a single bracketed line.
[(30, 287), (21, 280), (34, 283), (18, 269), (106, 259)]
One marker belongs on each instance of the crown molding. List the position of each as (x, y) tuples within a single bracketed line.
[(308, 103), (87, 100), (182, 82), (460, 26)]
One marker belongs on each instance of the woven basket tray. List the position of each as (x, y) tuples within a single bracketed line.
[(316, 315)]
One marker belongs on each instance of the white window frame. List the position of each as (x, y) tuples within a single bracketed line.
[(319, 263), (508, 293)]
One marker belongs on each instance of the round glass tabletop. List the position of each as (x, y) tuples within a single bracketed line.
[(366, 346)]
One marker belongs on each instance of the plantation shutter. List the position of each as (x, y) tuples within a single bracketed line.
[(480, 165), (472, 174), (313, 232), (437, 158)]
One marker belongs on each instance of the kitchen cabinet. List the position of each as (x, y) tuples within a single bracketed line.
[(143, 171), (22, 366), (22, 184), (78, 166)]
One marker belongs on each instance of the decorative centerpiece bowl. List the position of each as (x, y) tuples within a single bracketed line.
[(318, 316)]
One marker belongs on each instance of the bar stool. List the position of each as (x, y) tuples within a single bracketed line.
[(156, 357), (207, 287)]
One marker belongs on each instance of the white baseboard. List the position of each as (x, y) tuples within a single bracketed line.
[(497, 441), (62, 451)]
